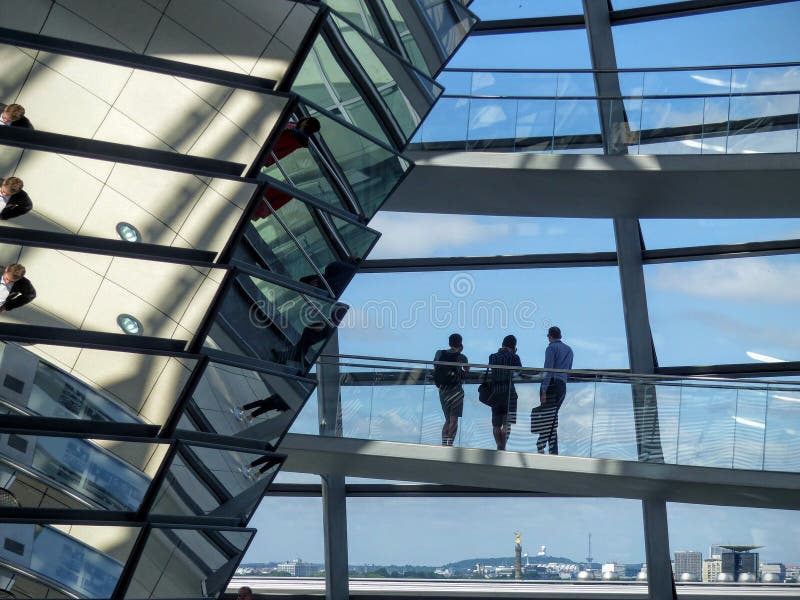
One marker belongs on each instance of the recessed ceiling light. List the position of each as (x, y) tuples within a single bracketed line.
[(128, 232), (130, 324)]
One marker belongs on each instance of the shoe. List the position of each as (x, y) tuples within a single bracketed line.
[(238, 413), (247, 471)]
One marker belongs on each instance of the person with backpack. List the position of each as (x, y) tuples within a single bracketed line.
[(449, 380), (503, 393)]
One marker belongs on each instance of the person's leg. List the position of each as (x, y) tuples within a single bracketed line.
[(254, 404), (498, 437), (446, 413), (498, 430), (541, 442)]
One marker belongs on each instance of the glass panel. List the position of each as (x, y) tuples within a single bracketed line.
[(717, 300), (214, 481), (552, 546), (406, 235), (188, 563), (675, 233), (411, 314), (492, 124), (271, 242), (371, 170), (97, 473), (534, 126), (455, 82), (34, 386), (266, 321), (295, 543), (123, 105), (359, 13), (78, 561), (562, 49), (514, 84), (697, 534), (577, 126), (661, 116), (711, 38), (300, 165), (323, 81), (450, 22), (409, 39), (235, 401), (715, 81), (764, 124), (170, 209), (102, 293), (407, 96), (782, 433), (447, 122), (491, 9)]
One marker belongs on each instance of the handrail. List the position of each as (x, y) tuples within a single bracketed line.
[(624, 97), (613, 374), (626, 70)]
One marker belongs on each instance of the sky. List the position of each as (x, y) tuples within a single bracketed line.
[(706, 312)]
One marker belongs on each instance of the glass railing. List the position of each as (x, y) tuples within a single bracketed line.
[(713, 422), (730, 110)]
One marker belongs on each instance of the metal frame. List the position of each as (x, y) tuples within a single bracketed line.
[(30, 139)]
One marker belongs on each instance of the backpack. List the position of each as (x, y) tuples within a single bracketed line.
[(446, 375)]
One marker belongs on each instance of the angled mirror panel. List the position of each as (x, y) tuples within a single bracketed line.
[(188, 563), (142, 108), (215, 481), (76, 561), (117, 201), (371, 170), (102, 474), (91, 385), (108, 294), (241, 36), (295, 159), (359, 12), (407, 93), (243, 402), (306, 244), (430, 30), (324, 80), (266, 321)]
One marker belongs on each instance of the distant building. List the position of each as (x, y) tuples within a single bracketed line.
[(712, 567), (689, 562), (738, 560), (298, 568), (778, 569), (715, 551)]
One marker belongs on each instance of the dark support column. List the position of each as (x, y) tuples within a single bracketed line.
[(613, 120), (334, 497), (641, 354), (660, 583)]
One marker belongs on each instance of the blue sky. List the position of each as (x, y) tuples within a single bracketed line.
[(701, 313)]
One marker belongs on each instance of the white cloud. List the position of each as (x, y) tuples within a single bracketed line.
[(717, 82), (412, 235), (757, 279)]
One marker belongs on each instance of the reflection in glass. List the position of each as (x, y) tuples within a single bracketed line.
[(224, 400), (62, 561), (188, 563), (372, 171), (82, 468), (266, 321), (205, 481)]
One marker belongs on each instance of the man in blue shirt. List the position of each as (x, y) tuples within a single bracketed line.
[(554, 387)]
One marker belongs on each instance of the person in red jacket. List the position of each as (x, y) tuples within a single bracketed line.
[(294, 137)]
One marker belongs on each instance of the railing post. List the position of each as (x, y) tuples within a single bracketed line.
[(334, 495)]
